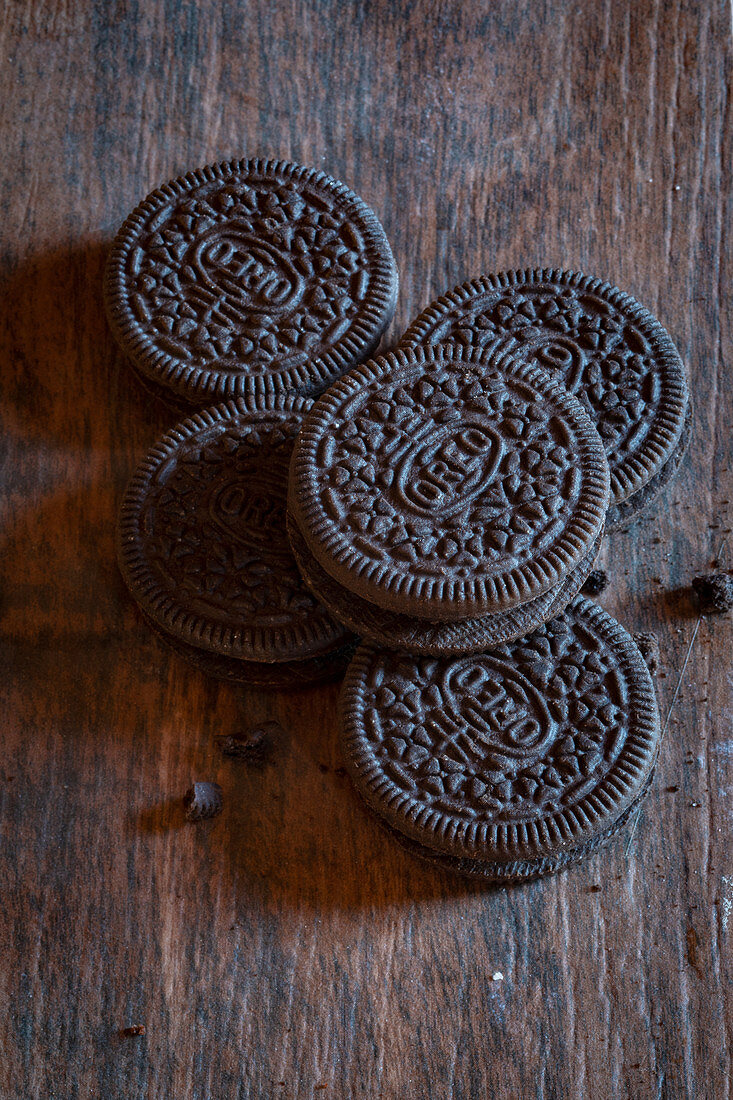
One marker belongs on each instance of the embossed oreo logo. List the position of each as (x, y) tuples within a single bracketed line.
[(446, 467), (489, 708), (251, 509), (250, 272), (558, 354)]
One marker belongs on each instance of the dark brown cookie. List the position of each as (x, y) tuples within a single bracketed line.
[(251, 276), (203, 546), (507, 764), (445, 484), (418, 636), (604, 345), (511, 874)]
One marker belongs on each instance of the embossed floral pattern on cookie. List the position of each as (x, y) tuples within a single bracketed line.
[(249, 277), (536, 746), (202, 540), (443, 484), (602, 344)]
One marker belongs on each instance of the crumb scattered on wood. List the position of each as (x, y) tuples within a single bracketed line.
[(595, 583), (251, 744), (648, 644), (133, 1029), (203, 800), (714, 592)]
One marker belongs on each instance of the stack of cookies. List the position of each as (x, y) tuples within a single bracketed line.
[(445, 503), (203, 548), (252, 283)]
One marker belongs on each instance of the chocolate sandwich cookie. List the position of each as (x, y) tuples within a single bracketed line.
[(606, 348), (418, 636), (203, 547), (444, 484), (509, 764), (249, 277)]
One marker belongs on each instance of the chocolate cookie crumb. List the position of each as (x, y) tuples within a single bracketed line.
[(202, 800), (648, 644), (251, 744), (132, 1030), (714, 592), (597, 581)]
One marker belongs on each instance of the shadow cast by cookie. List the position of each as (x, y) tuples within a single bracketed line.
[(59, 344), (296, 831)]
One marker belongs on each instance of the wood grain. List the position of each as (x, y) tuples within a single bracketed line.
[(288, 947)]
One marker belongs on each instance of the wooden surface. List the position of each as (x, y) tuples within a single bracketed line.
[(289, 948)]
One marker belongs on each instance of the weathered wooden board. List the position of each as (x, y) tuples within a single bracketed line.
[(289, 948)]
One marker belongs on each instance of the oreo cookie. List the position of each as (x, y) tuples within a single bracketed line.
[(509, 764), (203, 548), (417, 636), (249, 277), (604, 346), (445, 485)]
